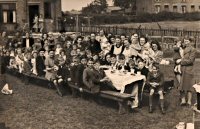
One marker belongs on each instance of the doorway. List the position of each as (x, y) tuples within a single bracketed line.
[(33, 10)]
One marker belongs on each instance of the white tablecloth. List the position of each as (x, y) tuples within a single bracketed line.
[(120, 80)]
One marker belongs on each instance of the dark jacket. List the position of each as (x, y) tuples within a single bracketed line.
[(40, 66), (95, 47), (73, 71), (79, 74), (64, 72), (158, 79), (144, 71), (31, 42), (2, 65)]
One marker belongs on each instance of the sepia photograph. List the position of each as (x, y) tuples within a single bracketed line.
[(99, 64)]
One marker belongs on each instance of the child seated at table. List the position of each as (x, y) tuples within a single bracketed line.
[(113, 62), (122, 66), (94, 78), (155, 80)]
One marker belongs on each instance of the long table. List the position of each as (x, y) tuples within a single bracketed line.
[(120, 80)]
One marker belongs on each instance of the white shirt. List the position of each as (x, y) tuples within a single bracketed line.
[(27, 43), (117, 50)]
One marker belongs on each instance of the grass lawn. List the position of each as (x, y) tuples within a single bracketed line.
[(187, 25), (34, 107)]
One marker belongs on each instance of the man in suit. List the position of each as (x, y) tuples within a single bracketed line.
[(28, 41), (94, 45)]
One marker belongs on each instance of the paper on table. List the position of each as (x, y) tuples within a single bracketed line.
[(197, 87)]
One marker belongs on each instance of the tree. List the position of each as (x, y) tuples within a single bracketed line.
[(124, 3), (97, 6)]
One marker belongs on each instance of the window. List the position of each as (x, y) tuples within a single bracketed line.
[(183, 8), (47, 12), (175, 8), (7, 13), (192, 8), (166, 7), (157, 8)]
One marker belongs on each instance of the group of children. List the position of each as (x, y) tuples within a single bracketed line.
[(76, 59)]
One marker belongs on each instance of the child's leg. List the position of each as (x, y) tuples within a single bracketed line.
[(135, 94), (189, 98), (179, 68), (178, 77), (151, 100), (57, 84), (161, 101), (183, 100)]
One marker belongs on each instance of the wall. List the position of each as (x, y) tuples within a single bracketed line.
[(22, 13), (149, 5)]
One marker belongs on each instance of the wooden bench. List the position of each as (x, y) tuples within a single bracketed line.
[(121, 98), (41, 81)]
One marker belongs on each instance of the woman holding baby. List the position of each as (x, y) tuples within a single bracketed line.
[(184, 69)]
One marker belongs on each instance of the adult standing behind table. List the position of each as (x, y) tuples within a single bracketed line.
[(28, 41), (187, 63), (94, 45), (157, 56), (135, 45), (118, 47)]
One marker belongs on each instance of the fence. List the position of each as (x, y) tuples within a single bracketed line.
[(159, 33)]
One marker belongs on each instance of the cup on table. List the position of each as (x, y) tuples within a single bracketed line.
[(138, 73), (132, 71)]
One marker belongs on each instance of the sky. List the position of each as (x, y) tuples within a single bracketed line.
[(68, 5)]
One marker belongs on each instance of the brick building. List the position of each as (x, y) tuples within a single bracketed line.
[(179, 6), (20, 12)]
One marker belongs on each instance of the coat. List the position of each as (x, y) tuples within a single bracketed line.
[(64, 72), (79, 74), (187, 65), (40, 66), (27, 67), (91, 80), (95, 47)]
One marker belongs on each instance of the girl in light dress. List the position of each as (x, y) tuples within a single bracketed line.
[(33, 62)]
